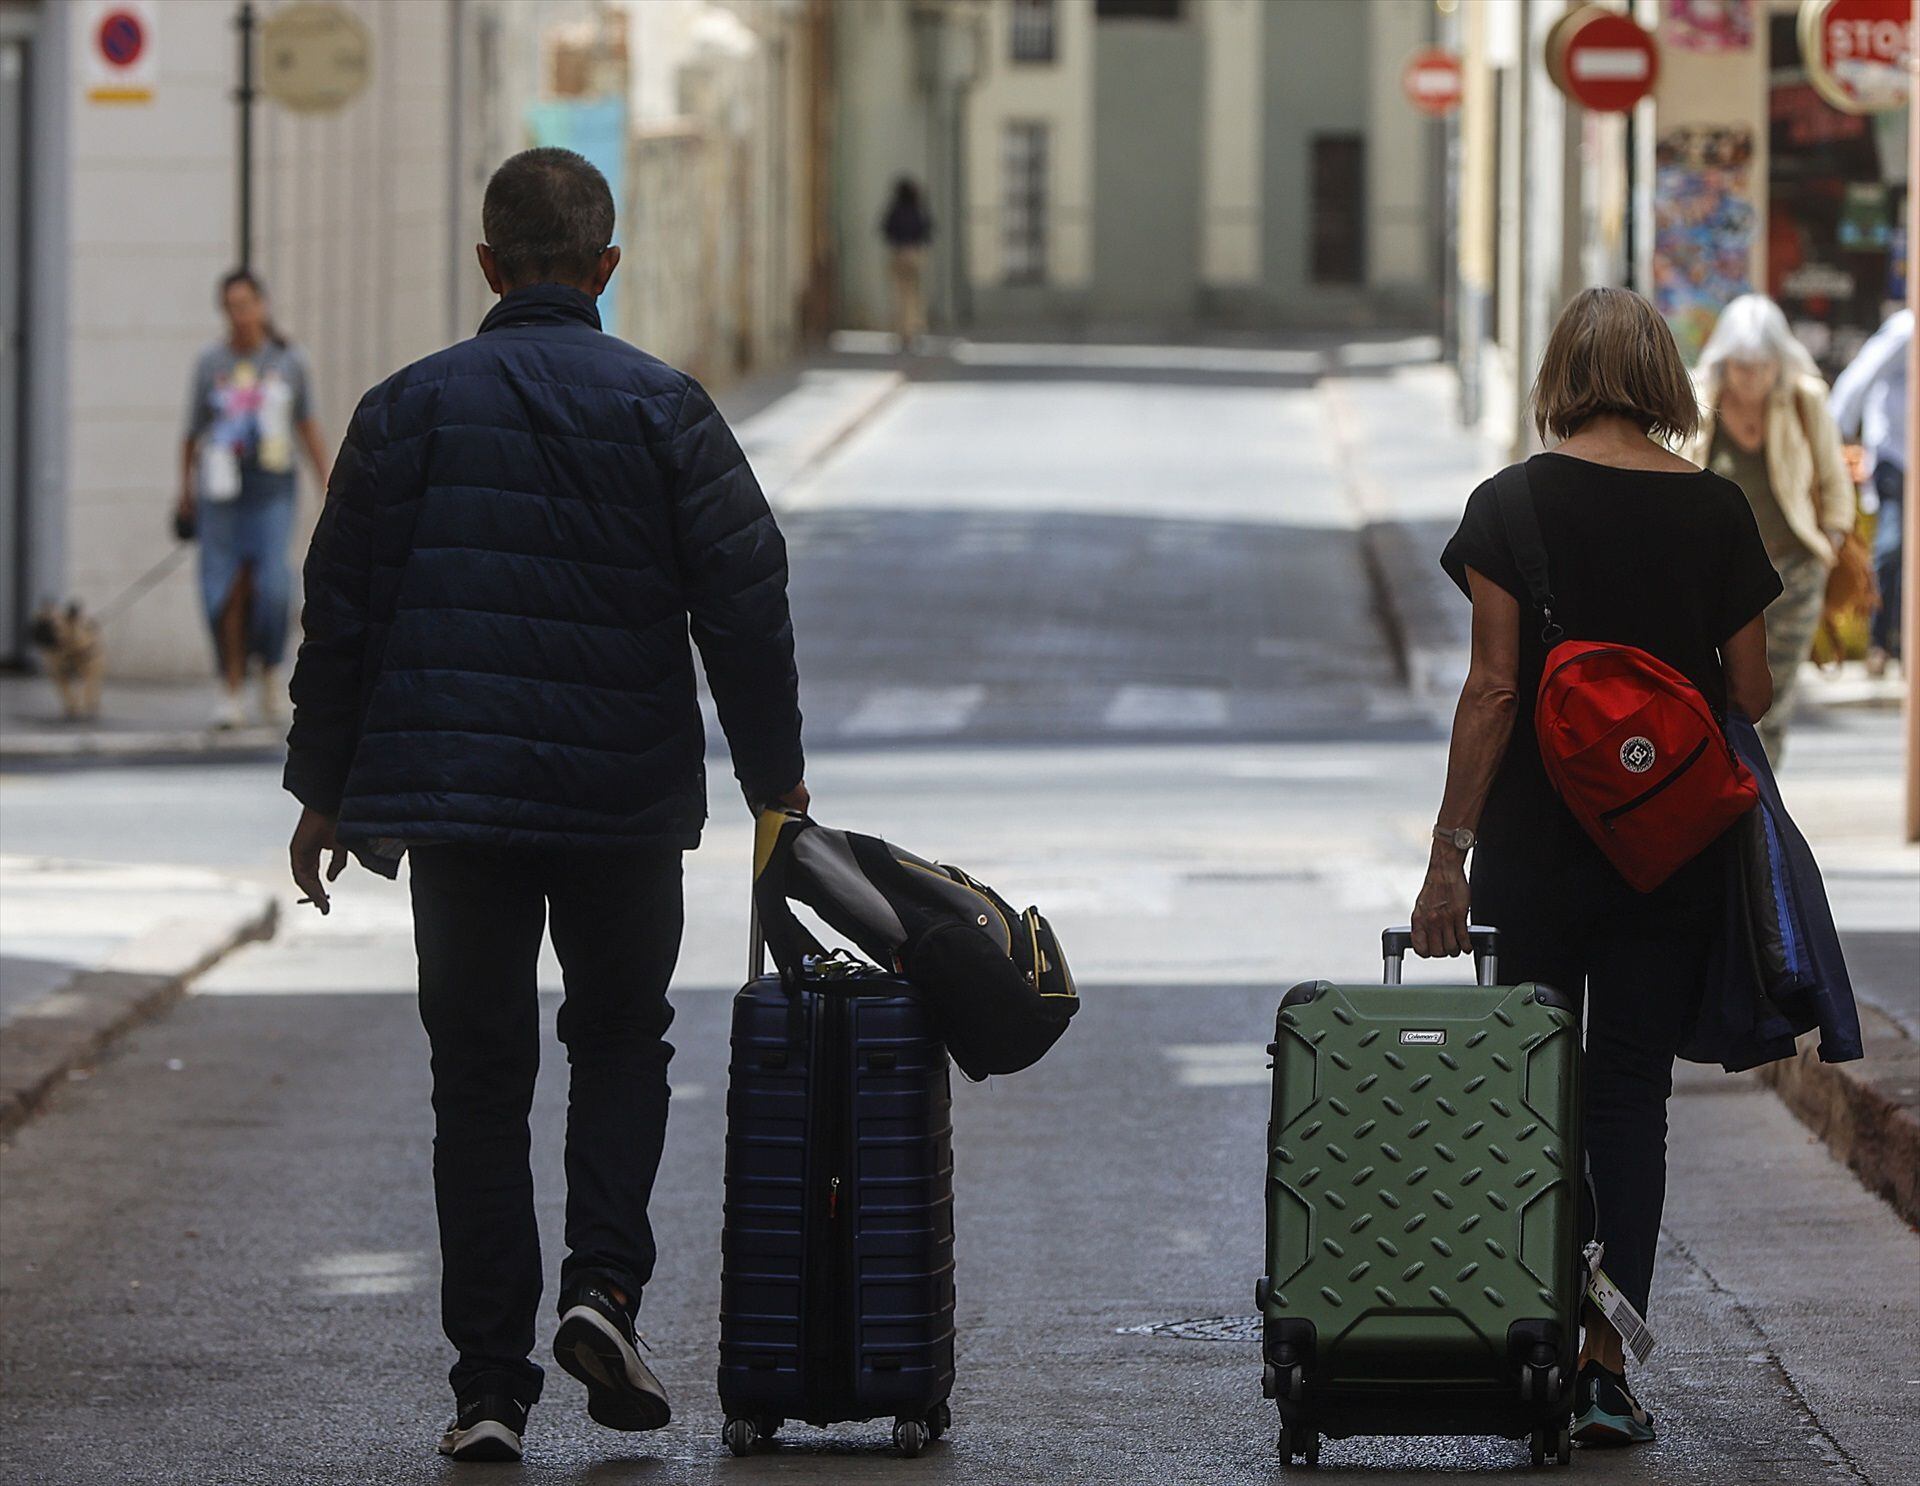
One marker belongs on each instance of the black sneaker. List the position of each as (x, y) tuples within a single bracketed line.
[(1605, 1412), (485, 1426), (598, 1345)]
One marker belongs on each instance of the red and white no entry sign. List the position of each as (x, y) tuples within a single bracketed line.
[(1432, 81), (1602, 59), (1856, 51)]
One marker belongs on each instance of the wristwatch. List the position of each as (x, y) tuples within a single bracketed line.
[(1460, 837)]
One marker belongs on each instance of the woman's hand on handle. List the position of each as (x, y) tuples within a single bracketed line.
[(1440, 911)]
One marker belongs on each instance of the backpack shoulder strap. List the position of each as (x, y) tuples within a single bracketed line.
[(1513, 497)]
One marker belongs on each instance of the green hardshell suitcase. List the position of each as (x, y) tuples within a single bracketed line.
[(1425, 1229)]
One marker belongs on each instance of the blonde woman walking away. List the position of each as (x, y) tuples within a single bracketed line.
[(1766, 426)]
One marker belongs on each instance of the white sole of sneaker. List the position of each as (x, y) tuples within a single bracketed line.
[(622, 1393), (487, 1440)]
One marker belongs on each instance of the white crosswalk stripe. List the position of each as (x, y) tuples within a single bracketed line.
[(1168, 708), (914, 711)]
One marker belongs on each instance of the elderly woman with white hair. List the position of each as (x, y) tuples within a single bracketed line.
[(1767, 428)]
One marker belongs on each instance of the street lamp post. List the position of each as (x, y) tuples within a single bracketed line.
[(244, 96)]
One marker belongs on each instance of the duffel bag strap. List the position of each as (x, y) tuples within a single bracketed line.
[(1513, 498)]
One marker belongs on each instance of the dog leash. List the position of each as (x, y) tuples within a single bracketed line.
[(138, 589)]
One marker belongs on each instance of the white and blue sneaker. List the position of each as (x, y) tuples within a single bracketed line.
[(1605, 1412)]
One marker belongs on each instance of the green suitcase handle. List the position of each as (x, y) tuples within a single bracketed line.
[(1395, 942)]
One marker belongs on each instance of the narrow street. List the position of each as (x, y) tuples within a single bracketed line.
[(1107, 639)]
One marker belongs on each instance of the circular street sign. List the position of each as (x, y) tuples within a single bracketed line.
[(1602, 59), (1857, 51), (121, 38), (1431, 79), (314, 56)]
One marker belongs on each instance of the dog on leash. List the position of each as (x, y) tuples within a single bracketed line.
[(76, 658)]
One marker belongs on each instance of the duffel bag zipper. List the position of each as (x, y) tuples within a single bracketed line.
[(1607, 817)]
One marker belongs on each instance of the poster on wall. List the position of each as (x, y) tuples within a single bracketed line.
[(1836, 199), (1707, 25), (1702, 226)]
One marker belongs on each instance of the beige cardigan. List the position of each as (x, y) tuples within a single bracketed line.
[(1804, 462)]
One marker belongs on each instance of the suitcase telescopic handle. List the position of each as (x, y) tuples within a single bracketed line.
[(1395, 942)]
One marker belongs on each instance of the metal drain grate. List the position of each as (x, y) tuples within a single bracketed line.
[(1202, 1329)]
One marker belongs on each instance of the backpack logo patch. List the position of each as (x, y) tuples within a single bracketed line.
[(1637, 754)]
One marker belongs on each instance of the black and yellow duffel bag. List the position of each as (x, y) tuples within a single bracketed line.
[(994, 980)]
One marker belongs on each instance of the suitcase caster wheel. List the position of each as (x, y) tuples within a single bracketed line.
[(1553, 1446), (768, 1426), (741, 1436), (1301, 1443), (1563, 1445), (909, 1437), (939, 1421)]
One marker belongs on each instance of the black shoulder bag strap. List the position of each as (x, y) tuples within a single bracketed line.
[(786, 937), (1513, 496)]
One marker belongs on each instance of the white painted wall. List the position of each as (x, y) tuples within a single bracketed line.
[(1403, 197), (1231, 141), (1059, 94), (352, 235)]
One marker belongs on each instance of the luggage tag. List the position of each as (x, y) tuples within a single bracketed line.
[(1618, 1310)]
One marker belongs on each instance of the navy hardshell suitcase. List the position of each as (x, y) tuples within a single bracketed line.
[(836, 1280), (1425, 1228)]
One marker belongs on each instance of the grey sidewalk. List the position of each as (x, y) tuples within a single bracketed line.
[(1409, 467), (87, 950)]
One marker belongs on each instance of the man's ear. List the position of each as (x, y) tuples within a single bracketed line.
[(490, 268), (603, 270)]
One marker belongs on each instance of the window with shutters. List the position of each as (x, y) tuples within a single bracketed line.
[(1023, 203), (1338, 209), (1034, 33)]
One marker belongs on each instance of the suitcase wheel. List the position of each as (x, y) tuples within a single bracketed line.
[(909, 1436), (939, 1421), (741, 1435), (1301, 1443), (1553, 1445)]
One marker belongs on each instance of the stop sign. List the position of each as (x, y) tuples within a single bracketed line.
[(1432, 81), (1602, 59), (1856, 52)]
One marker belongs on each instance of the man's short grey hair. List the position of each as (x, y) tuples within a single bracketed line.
[(548, 216)]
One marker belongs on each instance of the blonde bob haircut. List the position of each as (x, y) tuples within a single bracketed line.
[(1610, 352)]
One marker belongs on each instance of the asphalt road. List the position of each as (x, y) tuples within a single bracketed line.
[(217, 1253)]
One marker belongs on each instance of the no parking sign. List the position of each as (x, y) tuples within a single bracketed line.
[(117, 44)]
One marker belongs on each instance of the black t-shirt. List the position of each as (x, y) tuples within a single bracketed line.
[(1671, 562)]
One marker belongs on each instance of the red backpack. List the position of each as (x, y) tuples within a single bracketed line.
[(1631, 745)]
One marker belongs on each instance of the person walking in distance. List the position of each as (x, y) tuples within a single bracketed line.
[(250, 400), (908, 229), (1870, 403), (1768, 429), (1642, 549), (496, 680)]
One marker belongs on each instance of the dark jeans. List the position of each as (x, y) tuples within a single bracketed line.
[(1890, 484), (478, 916), (1639, 965)]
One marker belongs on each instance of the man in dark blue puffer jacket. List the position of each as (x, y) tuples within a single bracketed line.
[(496, 678)]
